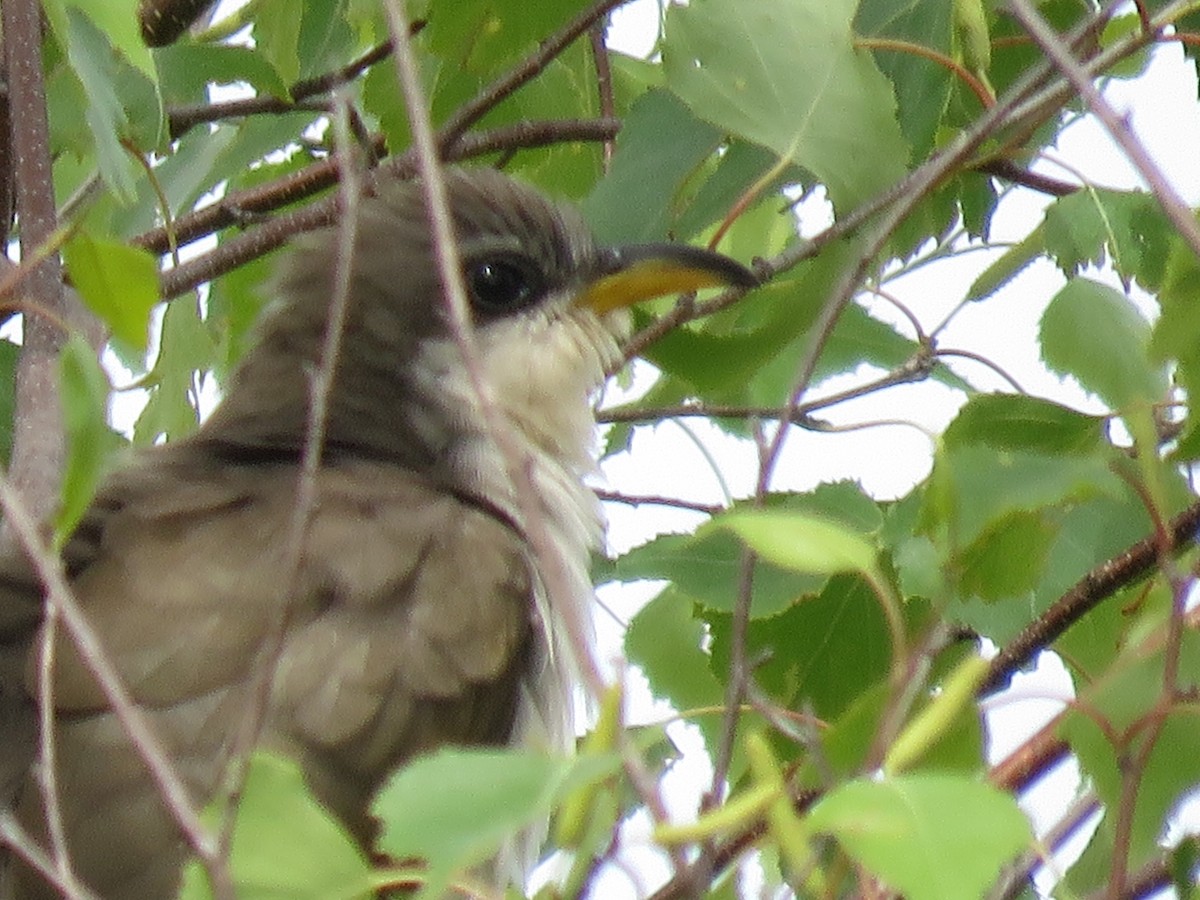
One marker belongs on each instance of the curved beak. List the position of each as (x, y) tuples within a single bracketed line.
[(636, 272)]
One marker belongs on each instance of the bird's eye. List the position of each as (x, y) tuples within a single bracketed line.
[(504, 283)]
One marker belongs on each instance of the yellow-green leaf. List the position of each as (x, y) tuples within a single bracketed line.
[(119, 283)]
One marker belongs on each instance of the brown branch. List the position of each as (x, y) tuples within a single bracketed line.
[(1101, 582), (709, 509), (37, 440), (1036, 755), (1156, 874), (1008, 170), (182, 118), (604, 81)]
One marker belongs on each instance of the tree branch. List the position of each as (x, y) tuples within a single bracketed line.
[(1101, 582)]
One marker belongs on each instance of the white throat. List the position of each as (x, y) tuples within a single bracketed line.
[(543, 370)]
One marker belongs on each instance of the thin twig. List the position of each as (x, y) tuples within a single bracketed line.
[(597, 35), (709, 509), (915, 369)]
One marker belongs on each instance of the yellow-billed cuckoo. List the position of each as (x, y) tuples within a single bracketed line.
[(411, 616)]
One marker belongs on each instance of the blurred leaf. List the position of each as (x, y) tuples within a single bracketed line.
[(185, 348), (117, 19), (666, 642), (739, 167), (820, 653), (1021, 422), (974, 487), (285, 844), (9, 352), (90, 443), (786, 75), (187, 70), (119, 283), (798, 542), (107, 120), (1007, 559), (1093, 225), (1176, 335), (660, 145), (482, 35), (1112, 360), (922, 90), (456, 808), (1011, 263), (905, 829), (277, 36)]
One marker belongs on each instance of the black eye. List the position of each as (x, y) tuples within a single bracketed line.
[(504, 283)]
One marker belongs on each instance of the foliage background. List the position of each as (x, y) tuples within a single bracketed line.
[(823, 642)]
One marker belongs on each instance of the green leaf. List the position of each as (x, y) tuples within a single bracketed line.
[(707, 566), (185, 348), (9, 353), (1021, 422), (737, 169), (786, 75), (666, 641), (119, 284), (660, 145), (90, 442), (1011, 263), (799, 542), (482, 35), (820, 653), (117, 19), (1177, 335), (1126, 227), (107, 120), (1008, 557), (277, 36), (187, 70), (1095, 334), (973, 487), (922, 90), (285, 844), (457, 808), (931, 837)]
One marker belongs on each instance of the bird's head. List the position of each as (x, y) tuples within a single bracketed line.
[(547, 301)]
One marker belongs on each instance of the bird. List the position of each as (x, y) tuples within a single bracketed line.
[(413, 614)]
